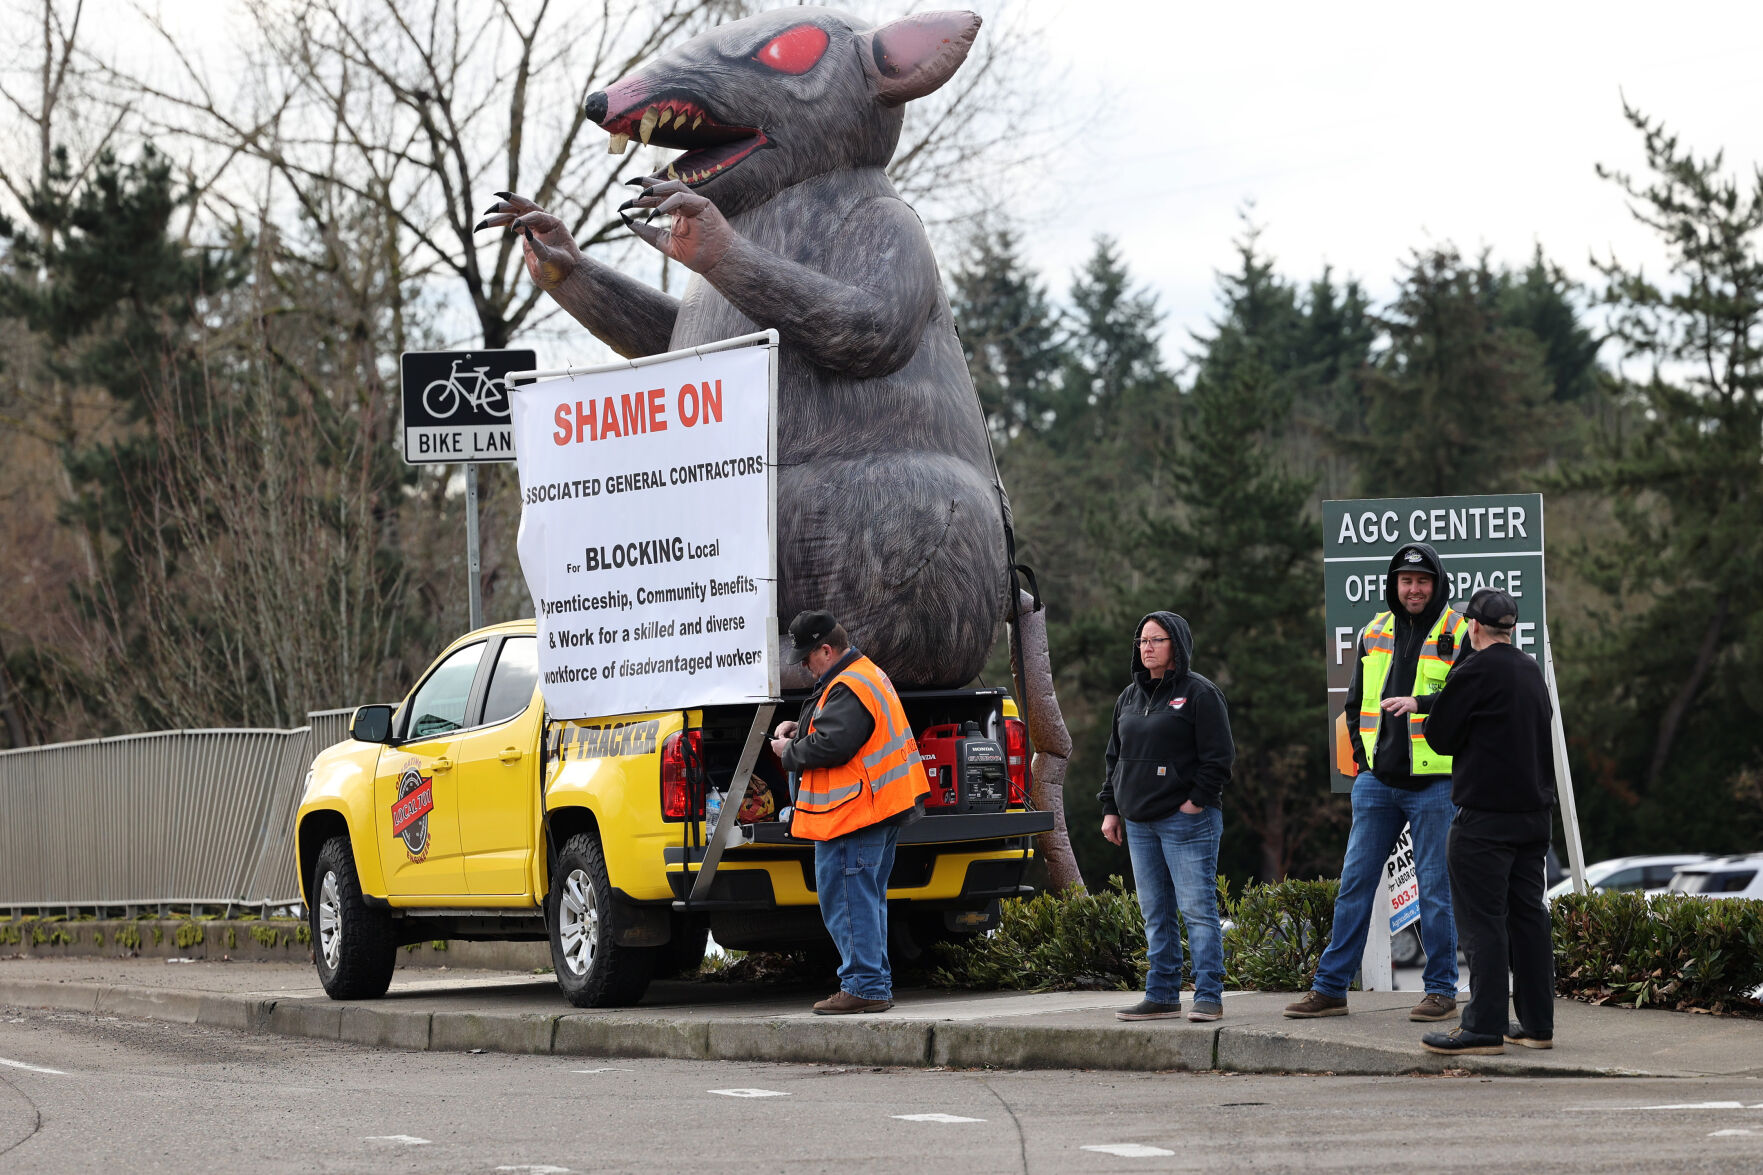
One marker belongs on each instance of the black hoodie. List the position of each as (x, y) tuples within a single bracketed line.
[(1170, 741), (1392, 766)]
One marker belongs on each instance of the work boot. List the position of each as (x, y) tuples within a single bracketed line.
[(1150, 1010), (1316, 1004), (1434, 1007), (1460, 1042), (1204, 1010), (1515, 1034), (844, 1004)]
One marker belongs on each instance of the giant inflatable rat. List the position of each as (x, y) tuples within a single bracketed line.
[(889, 512)]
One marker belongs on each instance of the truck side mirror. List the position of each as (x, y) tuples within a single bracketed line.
[(371, 724)]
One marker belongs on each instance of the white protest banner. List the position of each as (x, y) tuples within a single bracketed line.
[(647, 529), (1404, 885)]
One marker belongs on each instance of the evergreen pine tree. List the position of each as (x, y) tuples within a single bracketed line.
[(1009, 334), (1672, 660)]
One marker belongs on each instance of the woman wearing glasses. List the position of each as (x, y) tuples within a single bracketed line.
[(1169, 757)]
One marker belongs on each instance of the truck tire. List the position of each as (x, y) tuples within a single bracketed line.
[(593, 970), (352, 943)]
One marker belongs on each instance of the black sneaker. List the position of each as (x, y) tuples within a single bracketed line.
[(1515, 1034), (1149, 1010), (1460, 1042)]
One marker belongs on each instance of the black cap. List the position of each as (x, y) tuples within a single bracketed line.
[(1412, 559), (807, 633), (1492, 607)]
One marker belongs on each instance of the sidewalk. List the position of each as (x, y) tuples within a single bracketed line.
[(522, 1013)]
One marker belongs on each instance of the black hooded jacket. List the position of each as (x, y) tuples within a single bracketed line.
[(1392, 766), (1170, 741)]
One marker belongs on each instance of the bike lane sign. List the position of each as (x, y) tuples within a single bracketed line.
[(456, 405)]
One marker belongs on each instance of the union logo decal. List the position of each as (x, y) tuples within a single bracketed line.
[(410, 814), (1178, 703)]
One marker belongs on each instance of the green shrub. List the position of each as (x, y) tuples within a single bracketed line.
[(1096, 941), (1278, 933), (1668, 951), (1054, 942)]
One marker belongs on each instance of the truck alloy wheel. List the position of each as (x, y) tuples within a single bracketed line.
[(330, 921), (578, 922), (592, 968)]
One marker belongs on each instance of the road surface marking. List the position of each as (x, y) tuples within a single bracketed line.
[(1698, 1106), (1730, 1133), (537, 1169), (936, 1118), (603, 1071), (30, 1068), (406, 1139), (1129, 1150), (750, 1092)]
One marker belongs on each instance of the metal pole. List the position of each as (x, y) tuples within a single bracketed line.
[(1563, 774), (474, 585)]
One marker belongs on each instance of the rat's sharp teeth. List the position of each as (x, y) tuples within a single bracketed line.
[(648, 125), (618, 144), (671, 173), (666, 117), (696, 121)]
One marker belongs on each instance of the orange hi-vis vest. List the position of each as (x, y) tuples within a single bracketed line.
[(884, 778)]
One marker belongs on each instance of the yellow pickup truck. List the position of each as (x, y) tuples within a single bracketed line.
[(465, 813)]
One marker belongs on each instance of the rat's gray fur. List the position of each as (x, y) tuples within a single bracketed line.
[(889, 511)]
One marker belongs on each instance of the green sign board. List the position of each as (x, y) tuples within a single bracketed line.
[(1484, 540)]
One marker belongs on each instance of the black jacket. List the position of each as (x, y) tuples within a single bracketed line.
[(841, 728), (1170, 741), (1493, 719), (1393, 762)]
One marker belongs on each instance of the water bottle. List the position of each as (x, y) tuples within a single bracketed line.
[(712, 808)]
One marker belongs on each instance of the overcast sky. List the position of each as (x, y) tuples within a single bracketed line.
[(1359, 130), (1363, 130)]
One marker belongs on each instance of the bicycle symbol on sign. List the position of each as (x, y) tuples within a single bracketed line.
[(484, 393)]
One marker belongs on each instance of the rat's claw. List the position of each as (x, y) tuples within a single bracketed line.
[(648, 232)]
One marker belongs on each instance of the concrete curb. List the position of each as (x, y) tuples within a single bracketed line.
[(837, 1041)]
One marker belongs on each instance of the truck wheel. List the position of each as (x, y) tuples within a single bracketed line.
[(592, 969), (351, 942)]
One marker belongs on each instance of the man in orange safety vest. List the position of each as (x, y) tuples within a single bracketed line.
[(860, 781)]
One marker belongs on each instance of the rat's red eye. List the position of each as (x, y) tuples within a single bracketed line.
[(796, 51)]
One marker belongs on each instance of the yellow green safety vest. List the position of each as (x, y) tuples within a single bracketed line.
[(1379, 640)]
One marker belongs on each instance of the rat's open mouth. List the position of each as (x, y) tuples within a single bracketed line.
[(710, 147)]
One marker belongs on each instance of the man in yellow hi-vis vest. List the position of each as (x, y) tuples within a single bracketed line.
[(1404, 655), (861, 780)]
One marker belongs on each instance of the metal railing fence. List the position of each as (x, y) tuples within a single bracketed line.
[(175, 818)]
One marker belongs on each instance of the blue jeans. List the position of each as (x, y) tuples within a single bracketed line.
[(851, 880), (1175, 866), (1379, 811)]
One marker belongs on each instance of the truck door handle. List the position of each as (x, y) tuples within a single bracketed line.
[(511, 755), (441, 764)]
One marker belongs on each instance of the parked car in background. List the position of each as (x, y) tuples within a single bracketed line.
[(1722, 877), (1625, 874)]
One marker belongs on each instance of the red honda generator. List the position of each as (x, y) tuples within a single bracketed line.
[(968, 771)]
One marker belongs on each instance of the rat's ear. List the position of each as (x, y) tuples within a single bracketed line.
[(914, 55)]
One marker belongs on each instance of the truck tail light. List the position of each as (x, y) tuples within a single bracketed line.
[(683, 750), (1016, 758)]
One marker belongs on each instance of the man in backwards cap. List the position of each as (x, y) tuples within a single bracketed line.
[(1494, 716), (861, 779), (1404, 654)]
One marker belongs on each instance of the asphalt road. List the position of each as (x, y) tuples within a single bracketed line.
[(79, 1093)]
